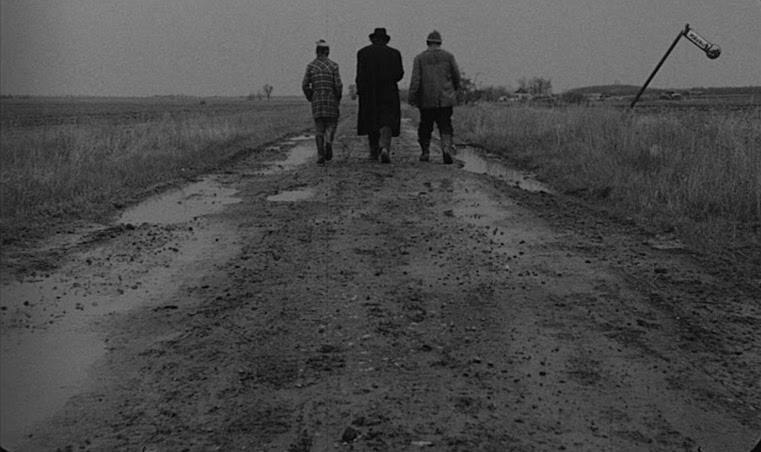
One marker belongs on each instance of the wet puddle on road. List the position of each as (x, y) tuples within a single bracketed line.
[(46, 362), (50, 334), (296, 139), (476, 162), (39, 373), (302, 151), (184, 204), (50, 337), (292, 195), (297, 155), (49, 343)]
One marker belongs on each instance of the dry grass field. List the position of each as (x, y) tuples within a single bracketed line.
[(79, 158), (694, 171)]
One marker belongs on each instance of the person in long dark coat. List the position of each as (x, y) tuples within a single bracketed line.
[(379, 69)]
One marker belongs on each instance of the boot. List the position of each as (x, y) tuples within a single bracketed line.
[(426, 151), (330, 135), (374, 150), (385, 143), (320, 140), (446, 149)]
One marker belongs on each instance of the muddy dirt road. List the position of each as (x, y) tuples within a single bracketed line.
[(284, 306)]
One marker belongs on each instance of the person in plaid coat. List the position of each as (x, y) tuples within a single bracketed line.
[(323, 88)]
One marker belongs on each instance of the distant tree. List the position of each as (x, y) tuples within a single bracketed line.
[(267, 88), (492, 93), (540, 86), (536, 86), (353, 91), (468, 91)]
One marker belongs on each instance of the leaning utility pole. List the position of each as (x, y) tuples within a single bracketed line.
[(712, 51)]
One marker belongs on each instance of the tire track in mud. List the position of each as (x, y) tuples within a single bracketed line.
[(416, 306)]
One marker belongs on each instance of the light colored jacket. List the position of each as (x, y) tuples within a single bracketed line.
[(435, 79)]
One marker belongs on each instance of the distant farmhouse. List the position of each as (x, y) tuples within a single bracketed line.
[(518, 95), (522, 94)]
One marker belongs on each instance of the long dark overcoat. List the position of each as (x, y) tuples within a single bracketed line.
[(379, 69)]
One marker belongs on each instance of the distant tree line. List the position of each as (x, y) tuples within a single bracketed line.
[(471, 92), (15, 96), (536, 86), (259, 95)]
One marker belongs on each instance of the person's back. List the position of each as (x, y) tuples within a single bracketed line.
[(439, 78), (379, 69), (323, 77), (380, 65), (324, 84), (323, 88), (433, 90)]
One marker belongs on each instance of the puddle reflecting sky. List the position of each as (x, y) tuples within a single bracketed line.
[(44, 364), (297, 155), (182, 205), (476, 162), (302, 138)]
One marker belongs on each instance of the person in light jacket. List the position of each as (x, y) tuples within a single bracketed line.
[(433, 90)]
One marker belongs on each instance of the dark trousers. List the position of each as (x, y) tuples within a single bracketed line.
[(428, 116), (379, 139)]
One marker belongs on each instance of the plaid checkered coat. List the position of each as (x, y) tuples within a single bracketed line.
[(323, 88)]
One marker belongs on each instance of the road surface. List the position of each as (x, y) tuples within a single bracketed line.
[(279, 305)]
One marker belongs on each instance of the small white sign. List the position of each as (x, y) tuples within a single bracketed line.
[(698, 40)]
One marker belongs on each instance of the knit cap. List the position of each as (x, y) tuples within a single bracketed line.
[(434, 36)]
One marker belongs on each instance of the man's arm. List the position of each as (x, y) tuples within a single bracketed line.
[(361, 80), (306, 85), (414, 93), (455, 75), (338, 87), (400, 72)]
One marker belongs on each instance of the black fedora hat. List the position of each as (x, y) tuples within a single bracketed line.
[(380, 33)]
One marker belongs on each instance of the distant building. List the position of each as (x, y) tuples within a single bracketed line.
[(671, 95), (521, 94), (595, 97)]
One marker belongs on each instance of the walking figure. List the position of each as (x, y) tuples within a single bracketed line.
[(433, 90), (379, 69), (323, 88)]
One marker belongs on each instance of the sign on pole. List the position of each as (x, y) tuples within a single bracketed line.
[(712, 51)]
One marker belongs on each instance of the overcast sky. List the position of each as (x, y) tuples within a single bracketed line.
[(233, 47)]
